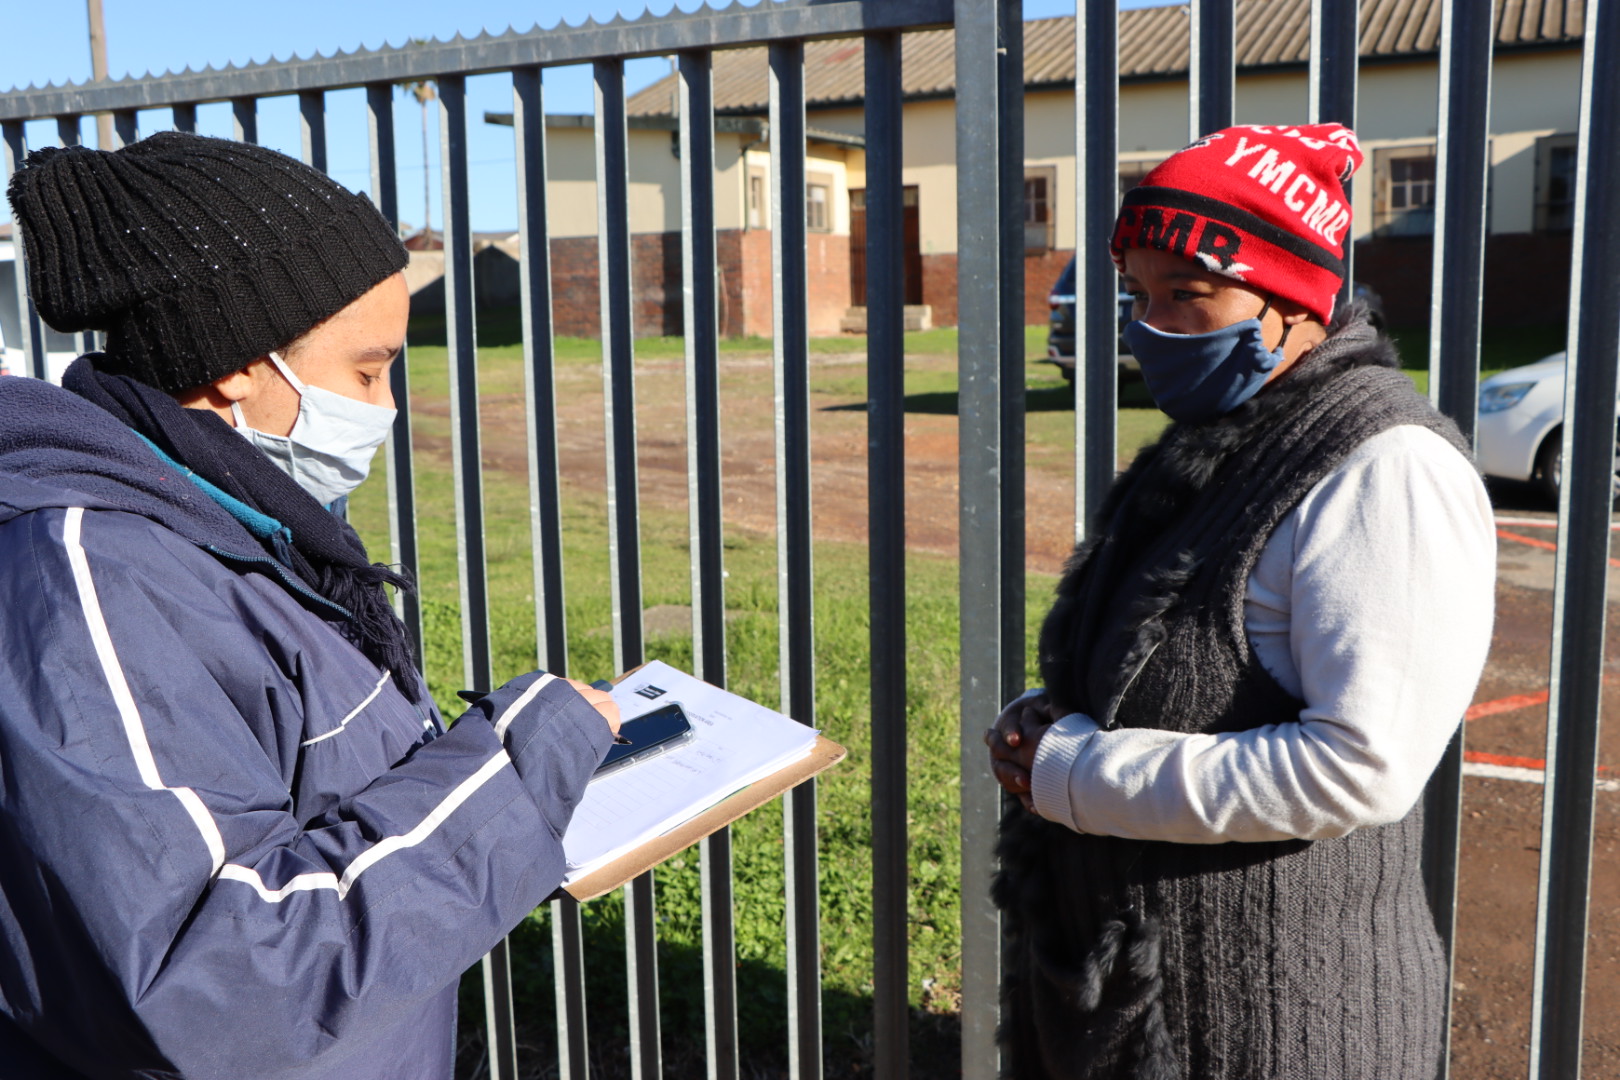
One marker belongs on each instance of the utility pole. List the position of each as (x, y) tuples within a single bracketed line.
[(98, 71), (423, 91)]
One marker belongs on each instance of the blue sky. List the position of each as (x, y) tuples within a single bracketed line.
[(48, 41)]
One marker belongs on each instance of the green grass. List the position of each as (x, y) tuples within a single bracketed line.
[(842, 673)]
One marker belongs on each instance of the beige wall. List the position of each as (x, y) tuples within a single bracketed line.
[(928, 153), (571, 192), (655, 180), (1533, 95)]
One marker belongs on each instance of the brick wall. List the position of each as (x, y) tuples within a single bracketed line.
[(827, 265), (939, 287), (1041, 269), (655, 282), (576, 306), (1526, 281), (745, 282), (655, 274)]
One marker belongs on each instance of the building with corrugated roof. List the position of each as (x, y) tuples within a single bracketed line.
[(1535, 92)]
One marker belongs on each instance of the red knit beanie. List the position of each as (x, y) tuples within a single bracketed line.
[(1262, 205)]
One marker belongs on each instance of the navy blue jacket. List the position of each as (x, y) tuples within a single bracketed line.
[(229, 846)]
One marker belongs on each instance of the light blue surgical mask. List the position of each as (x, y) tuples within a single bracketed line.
[(329, 450), (1195, 378)]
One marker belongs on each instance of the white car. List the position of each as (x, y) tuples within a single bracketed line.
[(1521, 424), (60, 349)]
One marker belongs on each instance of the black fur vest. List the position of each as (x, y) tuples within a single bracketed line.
[(1161, 961)]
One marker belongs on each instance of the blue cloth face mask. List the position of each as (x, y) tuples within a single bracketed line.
[(1196, 377), (329, 450)]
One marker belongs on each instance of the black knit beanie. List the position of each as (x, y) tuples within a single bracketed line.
[(195, 255)]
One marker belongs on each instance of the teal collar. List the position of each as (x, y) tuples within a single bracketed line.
[(259, 524)]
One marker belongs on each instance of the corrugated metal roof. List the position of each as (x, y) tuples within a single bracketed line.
[(1152, 43)]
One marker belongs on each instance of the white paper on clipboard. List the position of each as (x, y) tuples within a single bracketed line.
[(735, 742)]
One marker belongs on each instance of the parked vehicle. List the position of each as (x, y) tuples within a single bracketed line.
[(60, 349), (1521, 425), (1060, 326)]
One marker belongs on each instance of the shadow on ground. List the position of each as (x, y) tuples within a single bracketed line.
[(1037, 399)]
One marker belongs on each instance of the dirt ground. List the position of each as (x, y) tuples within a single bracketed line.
[(1502, 817)]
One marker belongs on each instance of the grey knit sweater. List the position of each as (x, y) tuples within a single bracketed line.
[(1154, 960)]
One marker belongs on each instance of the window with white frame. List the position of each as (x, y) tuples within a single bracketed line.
[(758, 216), (1555, 183), (1131, 173), (1040, 199), (818, 202), (1405, 179)]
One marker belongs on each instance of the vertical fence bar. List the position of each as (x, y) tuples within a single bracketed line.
[(1458, 277), (886, 509), (245, 119), (1010, 151), (1335, 53), (624, 530), (613, 230), (466, 462), (1335, 56), (70, 133), (701, 320), (312, 114), (1459, 238), (124, 132), (545, 512), (1212, 68), (568, 984), (1096, 282), (185, 118), (401, 466), (1580, 582), (312, 127), (33, 331), (988, 97), (125, 129), (539, 353), (795, 582)]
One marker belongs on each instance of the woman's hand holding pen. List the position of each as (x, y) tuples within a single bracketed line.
[(601, 701)]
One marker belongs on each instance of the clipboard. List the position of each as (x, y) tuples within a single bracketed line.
[(632, 864)]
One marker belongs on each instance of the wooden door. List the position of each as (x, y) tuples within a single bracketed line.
[(911, 238)]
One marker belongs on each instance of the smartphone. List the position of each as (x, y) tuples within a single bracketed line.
[(646, 737)]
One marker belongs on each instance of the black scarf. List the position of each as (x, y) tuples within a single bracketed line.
[(1164, 480), (326, 554)]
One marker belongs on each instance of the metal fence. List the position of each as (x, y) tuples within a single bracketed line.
[(989, 112)]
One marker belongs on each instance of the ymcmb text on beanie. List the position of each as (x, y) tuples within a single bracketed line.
[(194, 255), (1266, 206)]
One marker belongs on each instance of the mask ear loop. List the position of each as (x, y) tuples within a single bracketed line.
[(293, 380), (286, 373), (1287, 326)]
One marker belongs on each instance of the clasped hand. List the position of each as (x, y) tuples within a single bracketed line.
[(1013, 741)]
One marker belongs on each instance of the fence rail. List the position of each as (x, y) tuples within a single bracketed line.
[(989, 86)]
